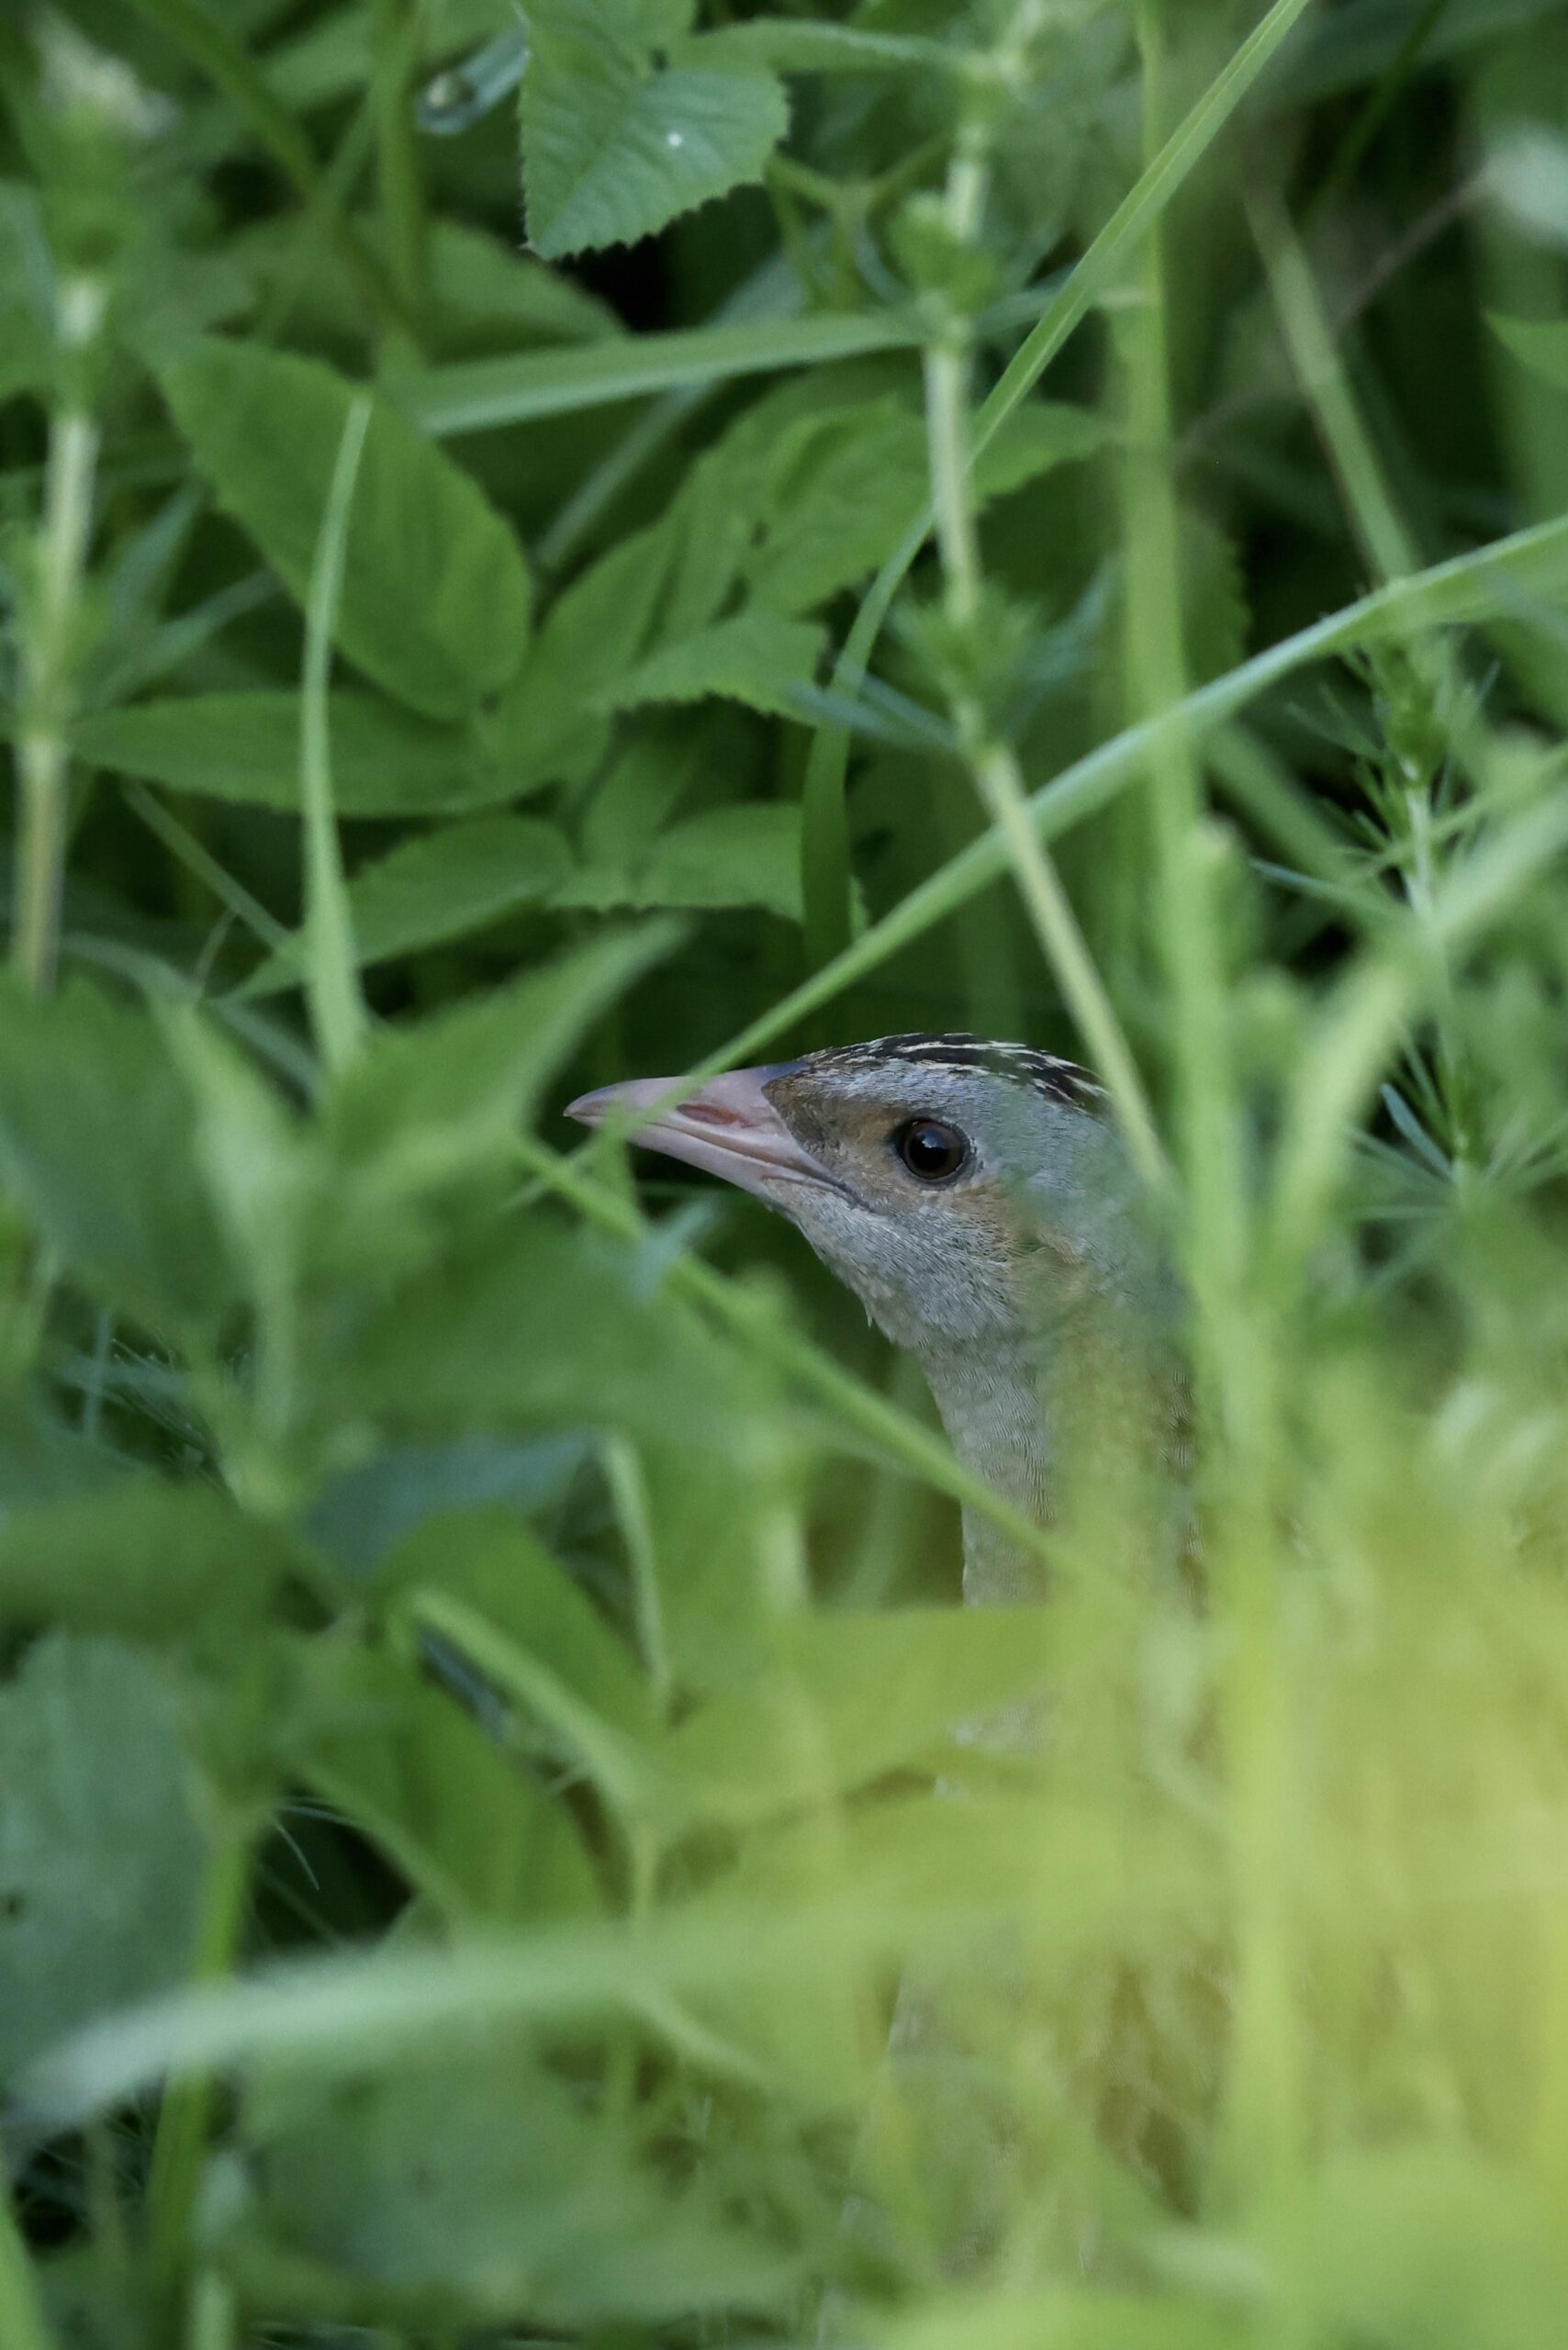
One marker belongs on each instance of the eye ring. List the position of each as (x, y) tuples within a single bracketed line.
[(931, 1150)]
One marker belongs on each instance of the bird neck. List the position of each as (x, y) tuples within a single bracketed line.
[(992, 1407), (1085, 1400)]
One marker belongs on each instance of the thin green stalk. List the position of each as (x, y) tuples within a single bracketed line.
[(991, 763), (179, 2148), (331, 984), (23, 2325), (183, 843), (1231, 1333), (1000, 783), (1379, 103), (1390, 551), (1093, 277), (629, 1492), (43, 749), (399, 176), (214, 2318)]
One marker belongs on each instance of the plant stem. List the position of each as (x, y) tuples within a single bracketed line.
[(23, 2325), (180, 2144), (992, 765), (398, 172), (337, 1008), (44, 751)]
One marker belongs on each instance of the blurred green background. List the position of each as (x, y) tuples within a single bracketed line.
[(1047, 517)]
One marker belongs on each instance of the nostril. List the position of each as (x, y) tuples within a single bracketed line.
[(711, 1113)]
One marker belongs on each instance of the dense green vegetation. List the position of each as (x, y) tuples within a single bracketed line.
[(1042, 516)]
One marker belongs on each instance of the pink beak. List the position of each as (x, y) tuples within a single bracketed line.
[(727, 1126)]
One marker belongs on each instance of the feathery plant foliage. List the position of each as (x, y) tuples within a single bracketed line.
[(1046, 516)]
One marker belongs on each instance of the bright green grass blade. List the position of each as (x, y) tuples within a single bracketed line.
[(475, 395), (331, 986)]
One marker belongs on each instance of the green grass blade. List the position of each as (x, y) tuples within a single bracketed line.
[(477, 395), (336, 1009)]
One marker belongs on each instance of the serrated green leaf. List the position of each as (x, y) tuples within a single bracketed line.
[(105, 1164), (491, 1567), (547, 727), (1034, 440), (833, 492), (615, 149), (727, 856), (445, 884), (101, 1858), (245, 747), (427, 1114), (436, 596), (756, 657), (455, 1350)]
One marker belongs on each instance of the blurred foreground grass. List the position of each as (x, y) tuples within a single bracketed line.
[(480, 1650)]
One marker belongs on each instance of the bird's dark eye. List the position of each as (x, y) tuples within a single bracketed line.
[(930, 1149)]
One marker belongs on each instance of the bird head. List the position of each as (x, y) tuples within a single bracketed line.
[(964, 1190)]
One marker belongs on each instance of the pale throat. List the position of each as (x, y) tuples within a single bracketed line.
[(990, 1395)]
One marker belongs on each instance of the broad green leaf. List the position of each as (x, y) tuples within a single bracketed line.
[(727, 856), (614, 148), (833, 491), (461, 1818), (495, 1571), (1540, 343), (483, 290), (458, 1349), (476, 277), (756, 657), (245, 746), (486, 2188), (730, 856), (174, 1565), (42, 1461), (852, 1696), (1034, 440), (427, 1114), (101, 1859), (435, 597), (639, 792), (547, 727), (460, 1082), (444, 884), (363, 1513), (95, 1142)]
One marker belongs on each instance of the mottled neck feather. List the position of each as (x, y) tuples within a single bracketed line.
[(1093, 1398)]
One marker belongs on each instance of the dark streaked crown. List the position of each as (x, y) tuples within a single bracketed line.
[(1057, 1080)]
